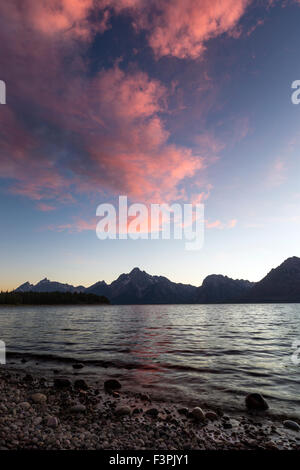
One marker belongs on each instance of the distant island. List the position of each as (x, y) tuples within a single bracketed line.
[(281, 284), (51, 298)]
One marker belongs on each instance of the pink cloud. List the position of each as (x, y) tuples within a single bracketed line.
[(45, 207), (87, 135), (201, 197), (184, 28), (259, 22), (232, 223), (221, 225), (144, 223), (69, 17), (174, 28), (122, 138), (77, 225), (215, 224), (128, 150), (181, 29)]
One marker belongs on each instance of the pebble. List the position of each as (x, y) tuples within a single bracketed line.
[(112, 384), (291, 425), (255, 401), (93, 422), (79, 408), (25, 405), (37, 420), (39, 398), (123, 411), (52, 422), (197, 414), (153, 412)]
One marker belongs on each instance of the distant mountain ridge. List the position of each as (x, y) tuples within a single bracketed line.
[(218, 288), (281, 284), (49, 286), (140, 287)]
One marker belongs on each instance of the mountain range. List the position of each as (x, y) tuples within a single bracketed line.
[(281, 284)]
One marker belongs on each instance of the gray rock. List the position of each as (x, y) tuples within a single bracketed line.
[(79, 408), (255, 401), (153, 412), (37, 421), (39, 398), (123, 411), (78, 366), (52, 422), (24, 405), (291, 425), (197, 414), (112, 384)]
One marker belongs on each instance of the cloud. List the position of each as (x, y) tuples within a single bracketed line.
[(173, 27), (77, 225), (184, 28), (232, 223), (128, 151), (65, 133), (181, 29), (52, 17), (221, 225), (45, 207)]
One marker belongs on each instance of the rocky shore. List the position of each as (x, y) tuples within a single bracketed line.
[(60, 413)]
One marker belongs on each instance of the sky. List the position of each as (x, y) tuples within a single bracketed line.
[(162, 101)]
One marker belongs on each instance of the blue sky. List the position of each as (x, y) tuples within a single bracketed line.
[(117, 99)]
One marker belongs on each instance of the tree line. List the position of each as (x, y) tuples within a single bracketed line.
[(51, 298)]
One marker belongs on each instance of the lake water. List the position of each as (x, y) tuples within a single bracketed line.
[(208, 353)]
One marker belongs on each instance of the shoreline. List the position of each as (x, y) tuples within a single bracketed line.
[(91, 370), (49, 413)]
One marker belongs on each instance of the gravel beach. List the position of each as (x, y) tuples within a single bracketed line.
[(55, 413)]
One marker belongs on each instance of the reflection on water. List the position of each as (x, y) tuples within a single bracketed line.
[(212, 352)]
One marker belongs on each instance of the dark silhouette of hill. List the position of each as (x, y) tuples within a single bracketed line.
[(50, 298), (281, 284), (139, 287), (217, 288)]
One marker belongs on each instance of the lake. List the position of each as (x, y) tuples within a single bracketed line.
[(209, 353)]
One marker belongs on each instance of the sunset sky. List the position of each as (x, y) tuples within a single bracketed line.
[(162, 101)]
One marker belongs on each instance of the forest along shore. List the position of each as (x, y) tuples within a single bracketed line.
[(57, 413)]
